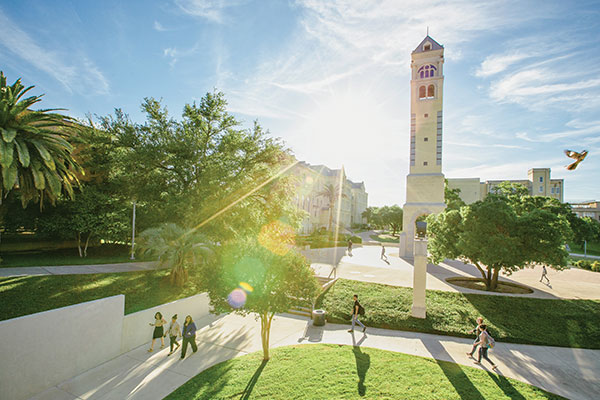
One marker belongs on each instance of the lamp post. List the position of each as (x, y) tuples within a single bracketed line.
[(133, 234)]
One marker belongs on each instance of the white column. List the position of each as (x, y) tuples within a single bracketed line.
[(419, 278), (402, 248)]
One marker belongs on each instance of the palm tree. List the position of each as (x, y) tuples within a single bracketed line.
[(331, 193), (35, 157), (176, 248)]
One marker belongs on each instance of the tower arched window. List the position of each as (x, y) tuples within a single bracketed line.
[(427, 71), (422, 92), (430, 91)]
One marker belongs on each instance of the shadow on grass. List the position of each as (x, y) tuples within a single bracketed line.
[(250, 386), (363, 363)]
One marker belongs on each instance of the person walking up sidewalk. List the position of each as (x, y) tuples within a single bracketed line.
[(544, 274), (477, 331), (158, 324), (485, 342), (383, 256), (174, 332), (357, 310), (350, 248), (189, 336)]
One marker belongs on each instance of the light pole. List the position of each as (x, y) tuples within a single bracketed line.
[(133, 233)]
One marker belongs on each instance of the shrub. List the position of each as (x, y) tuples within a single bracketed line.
[(596, 266), (356, 239), (584, 264)]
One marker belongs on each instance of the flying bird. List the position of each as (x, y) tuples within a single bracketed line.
[(578, 157)]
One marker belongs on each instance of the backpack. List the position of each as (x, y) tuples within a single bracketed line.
[(361, 310), (491, 341)]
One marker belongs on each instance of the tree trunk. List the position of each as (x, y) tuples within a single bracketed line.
[(87, 242), (330, 217), (79, 244), (494, 281), (265, 331)]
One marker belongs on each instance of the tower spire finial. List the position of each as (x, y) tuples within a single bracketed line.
[(427, 30)]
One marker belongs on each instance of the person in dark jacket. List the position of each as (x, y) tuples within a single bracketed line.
[(189, 335)]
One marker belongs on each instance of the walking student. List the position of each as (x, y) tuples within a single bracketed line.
[(477, 331), (383, 256), (544, 274), (357, 310), (189, 335), (350, 248), (484, 343), (158, 324), (174, 332)]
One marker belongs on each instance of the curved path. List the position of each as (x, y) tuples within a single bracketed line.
[(141, 375)]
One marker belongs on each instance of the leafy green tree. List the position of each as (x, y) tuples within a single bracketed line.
[(176, 248), (254, 278), (35, 155), (332, 194), (392, 217), (93, 214), (491, 235), (452, 197), (201, 170), (368, 214)]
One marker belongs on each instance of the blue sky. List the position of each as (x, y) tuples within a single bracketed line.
[(522, 78)]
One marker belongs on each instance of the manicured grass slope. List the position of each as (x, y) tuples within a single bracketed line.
[(27, 295), (347, 372), (568, 323)]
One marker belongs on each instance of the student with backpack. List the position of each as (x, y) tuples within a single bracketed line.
[(357, 310), (485, 342), (477, 331)]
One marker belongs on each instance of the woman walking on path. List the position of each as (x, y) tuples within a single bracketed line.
[(159, 321), (484, 344), (174, 332), (189, 335), (476, 330)]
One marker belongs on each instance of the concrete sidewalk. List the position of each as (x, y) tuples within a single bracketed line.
[(80, 269), (140, 375)]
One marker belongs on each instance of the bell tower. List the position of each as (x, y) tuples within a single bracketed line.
[(425, 181)]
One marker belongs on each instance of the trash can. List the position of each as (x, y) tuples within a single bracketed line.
[(318, 317)]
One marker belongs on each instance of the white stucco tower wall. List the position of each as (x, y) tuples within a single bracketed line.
[(425, 181)]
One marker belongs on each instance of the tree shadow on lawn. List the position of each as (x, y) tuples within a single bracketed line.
[(250, 386), (363, 363)]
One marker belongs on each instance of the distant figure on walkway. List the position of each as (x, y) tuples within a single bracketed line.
[(383, 256), (159, 321), (476, 330), (357, 310), (174, 332), (189, 335), (484, 343), (350, 248), (544, 274)]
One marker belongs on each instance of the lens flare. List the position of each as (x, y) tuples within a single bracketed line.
[(247, 288), (277, 237), (237, 298)]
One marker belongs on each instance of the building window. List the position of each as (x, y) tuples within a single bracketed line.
[(427, 71), (541, 189), (430, 92), (426, 115), (426, 139), (427, 47), (552, 190), (422, 92), (541, 179), (424, 162)]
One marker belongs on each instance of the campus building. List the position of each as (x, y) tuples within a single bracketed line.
[(311, 181), (587, 209), (538, 183)]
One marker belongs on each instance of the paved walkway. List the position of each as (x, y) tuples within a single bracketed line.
[(140, 375), (80, 269), (366, 265)]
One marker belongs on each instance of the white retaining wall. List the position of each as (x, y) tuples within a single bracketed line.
[(41, 350), (136, 330)]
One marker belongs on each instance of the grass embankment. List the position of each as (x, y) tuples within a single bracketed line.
[(385, 238), (105, 254), (27, 295), (567, 323), (347, 372), (593, 249)]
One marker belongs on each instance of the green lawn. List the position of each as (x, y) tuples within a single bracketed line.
[(347, 372), (27, 295), (593, 249), (106, 254), (567, 323), (385, 238)]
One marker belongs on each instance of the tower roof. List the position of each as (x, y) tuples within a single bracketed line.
[(434, 45)]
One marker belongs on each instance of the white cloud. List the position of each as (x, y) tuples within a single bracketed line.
[(159, 27), (497, 63), (174, 54), (74, 71), (209, 9)]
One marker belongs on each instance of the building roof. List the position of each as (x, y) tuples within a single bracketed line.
[(434, 45)]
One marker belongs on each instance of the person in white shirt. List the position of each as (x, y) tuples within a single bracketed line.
[(174, 332)]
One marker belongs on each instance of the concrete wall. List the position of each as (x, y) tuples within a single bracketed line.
[(41, 350), (136, 330)]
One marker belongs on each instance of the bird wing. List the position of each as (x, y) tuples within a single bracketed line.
[(571, 154)]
